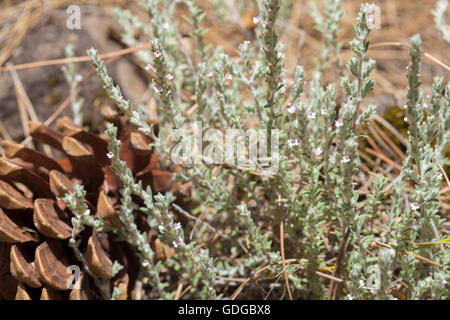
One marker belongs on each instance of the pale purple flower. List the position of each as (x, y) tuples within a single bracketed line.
[(292, 109), (157, 54), (148, 67), (210, 74), (345, 159), (158, 89), (169, 77), (350, 297), (311, 115), (175, 244), (424, 106), (229, 76), (161, 227), (324, 112), (78, 78), (110, 155), (414, 206), (177, 226), (317, 151), (256, 20), (292, 142), (338, 123), (245, 43), (439, 175)]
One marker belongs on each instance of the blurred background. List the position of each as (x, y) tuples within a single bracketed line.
[(36, 30)]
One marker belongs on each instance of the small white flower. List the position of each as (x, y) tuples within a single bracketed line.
[(414, 206), (345, 159), (165, 25), (157, 54), (406, 119), (145, 263), (405, 106), (256, 20), (439, 175), (292, 109), (78, 78), (424, 106), (175, 244), (279, 55), (161, 227), (324, 112), (169, 77), (148, 67), (338, 123), (229, 76), (87, 212), (311, 115), (350, 297), (361, 283), (110, 155), (210, 74), (292, 142), (444, 282), (317, 151), (177, 226)]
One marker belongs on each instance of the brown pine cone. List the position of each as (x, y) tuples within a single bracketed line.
[(35, 225)]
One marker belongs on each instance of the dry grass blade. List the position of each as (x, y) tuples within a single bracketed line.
[(23, 117), (74, 60), (384, 158), (389, 141), (390, 127), (405, 45), (66, 102), (283, 258), (4, 132), (26, 102), (239, 289)]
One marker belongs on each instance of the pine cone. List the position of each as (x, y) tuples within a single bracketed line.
[(35, 225)]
